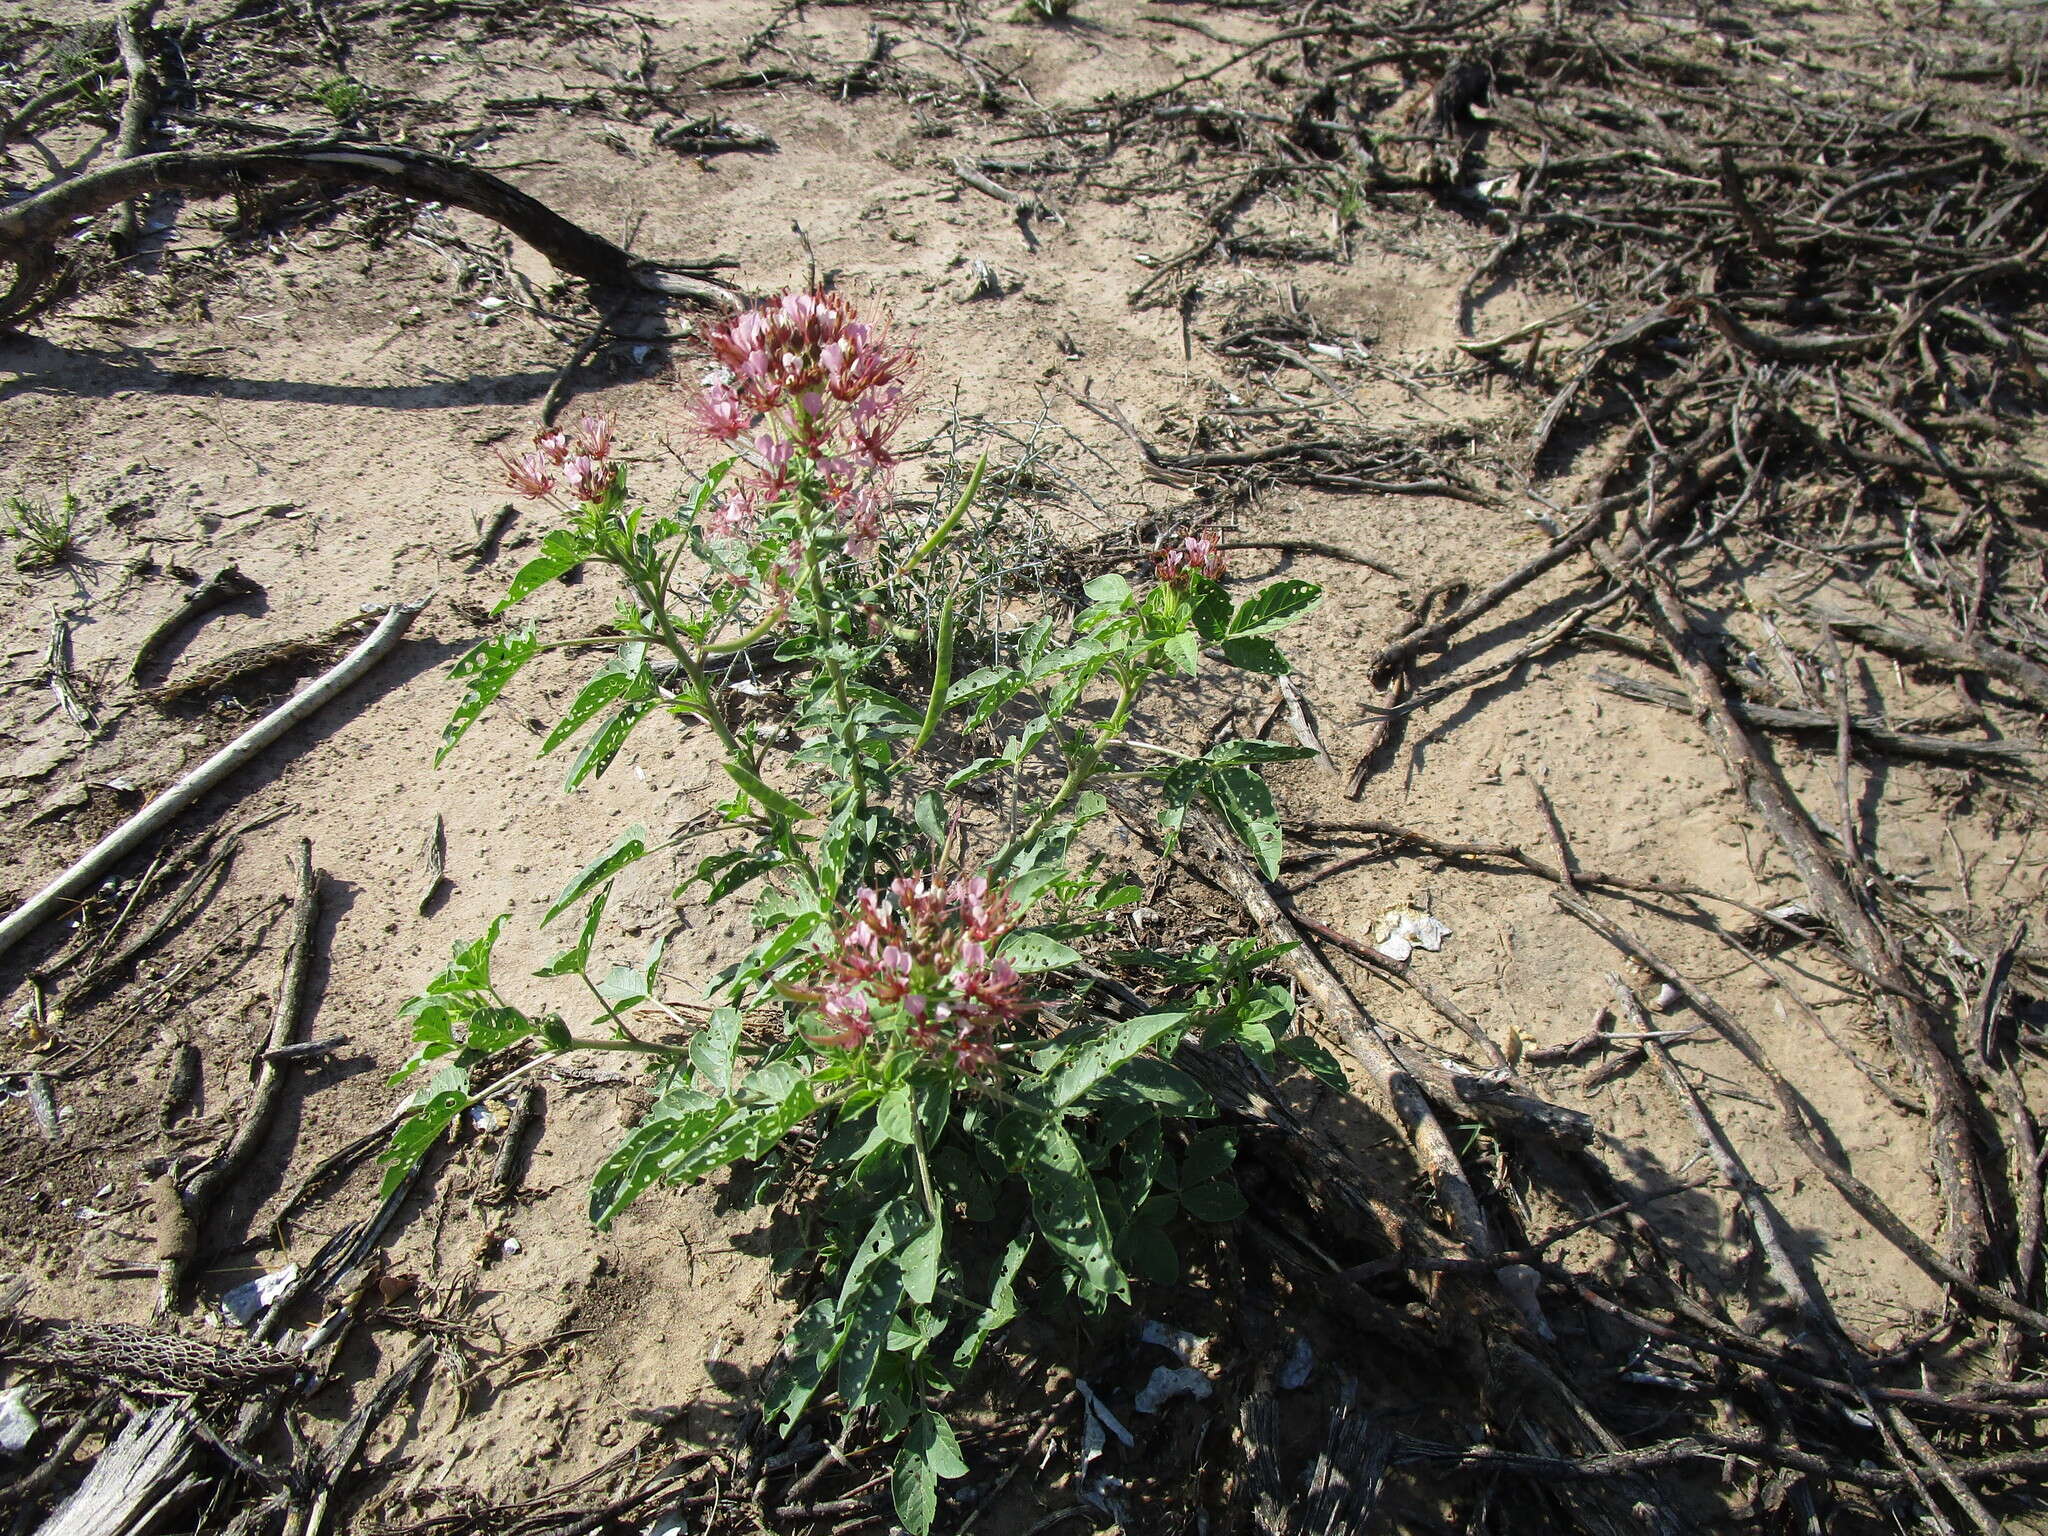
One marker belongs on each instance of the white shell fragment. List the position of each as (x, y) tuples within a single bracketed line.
[(1169, 1382), (249, 1301), (1403, 930), (18, 1422)]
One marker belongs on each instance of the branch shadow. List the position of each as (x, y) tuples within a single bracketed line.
[(41, 366)]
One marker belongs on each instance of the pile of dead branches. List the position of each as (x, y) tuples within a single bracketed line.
[(1796, 317)]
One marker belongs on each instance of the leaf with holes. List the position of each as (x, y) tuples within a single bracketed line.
[(1242, 799), (485, 671)]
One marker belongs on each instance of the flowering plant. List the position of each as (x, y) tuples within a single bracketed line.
[(980, 1137)]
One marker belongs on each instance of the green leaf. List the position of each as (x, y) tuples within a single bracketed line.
[(638, 1160), (867, 1330), (1108, 588), (1148, 1080), (752, 1136), (1151, 1254), (625, 670), (933, 1439), (419, 1131), (1064, 1201), (485, 670), (1274, 607), (771, 800), (1103, 1055), (1255, 654), (598, 752), (1002, 1301), (712, 1051), (920, 1263), (560, 552), (812, 1346), (469, 969), (1178, 787), (490, 1030), (930, 815), (631, 846), (1209, 1156), (893, 1228), (914, 1488), (1183, 652), (896, 1115), (1029, 952), (623, 985), (1210, 605), (1311, 1055), (1218, 1200), (576, 958), (791, 937), (1242, 799), (1065, 658)]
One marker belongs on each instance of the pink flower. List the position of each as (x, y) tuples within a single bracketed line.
[(719, 414), (552, 444), (589, 479), (1194, 554), (845, 1012), (528, 475), (734, 514), (775, 454), (909, 958), (860, 515), (594, 435)]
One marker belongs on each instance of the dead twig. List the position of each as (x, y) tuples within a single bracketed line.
[(224, 586), (1397, 1088), (179, 1245), (131, 33), (132, 834)]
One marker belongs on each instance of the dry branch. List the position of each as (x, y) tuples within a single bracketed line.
[(131, 31), (1398, 1090), (1869, 731), (195, 1200), (222, 587), (1916, 1030), (134, 833), (1793, 1119), (31, 230), (1963, 654), (142, 1472)]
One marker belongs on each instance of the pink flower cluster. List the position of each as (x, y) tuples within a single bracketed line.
[(582, 462), (802, 382), (919, 957), (1199, 553)]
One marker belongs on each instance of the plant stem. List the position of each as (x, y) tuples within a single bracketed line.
[(636, 1047), (944, 531), (942, 677), (760, 631), (855, 779), (924, 1163), (650, 586), (1081, 768)]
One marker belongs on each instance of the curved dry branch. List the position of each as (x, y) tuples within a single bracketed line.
[(30, 231)]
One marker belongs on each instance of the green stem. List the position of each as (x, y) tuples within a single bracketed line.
[(760, 631), (942, 677), (848, 739), (944, 531), (704, 704), (636, 1047), (1081, 767), (924, 1163)]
